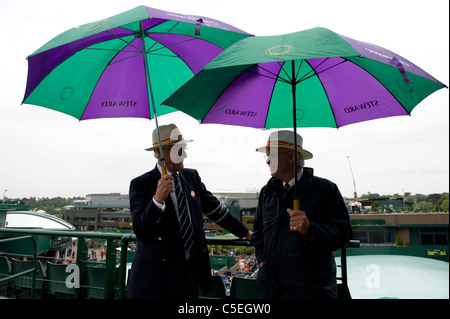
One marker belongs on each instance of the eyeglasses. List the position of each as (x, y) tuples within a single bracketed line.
[(275, 154)]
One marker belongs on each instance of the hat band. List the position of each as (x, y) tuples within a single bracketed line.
[(281, 143), (168, 141)]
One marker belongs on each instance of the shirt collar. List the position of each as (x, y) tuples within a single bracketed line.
[(292, 181), (160, 169)]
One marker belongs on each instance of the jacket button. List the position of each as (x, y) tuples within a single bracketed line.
[(159, 238), (164, 260)]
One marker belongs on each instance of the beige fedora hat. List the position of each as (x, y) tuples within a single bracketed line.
[(285, 139), (170, 134)]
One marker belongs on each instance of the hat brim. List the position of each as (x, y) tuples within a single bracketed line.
[(167, 144), (305, 154)]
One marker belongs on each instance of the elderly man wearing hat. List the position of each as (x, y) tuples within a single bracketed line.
[(172, 258), (295, 248)]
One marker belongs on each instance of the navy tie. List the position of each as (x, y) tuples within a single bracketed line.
[(187, 232)]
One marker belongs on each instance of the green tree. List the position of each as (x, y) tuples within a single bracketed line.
[(425, 206), (434, 198), (444, 205), (375, 205)]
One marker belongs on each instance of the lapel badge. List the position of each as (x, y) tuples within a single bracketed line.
[(192, 194)]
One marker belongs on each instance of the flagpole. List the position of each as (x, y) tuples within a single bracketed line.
[(353, 177)]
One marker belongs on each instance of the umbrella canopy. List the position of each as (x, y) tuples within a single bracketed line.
[(125, 65), (116, 66), (332, 80), (311, 78)]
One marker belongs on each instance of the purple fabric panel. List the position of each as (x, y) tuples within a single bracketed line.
[(246, 100), (40, 65), (121, 90), (354, 95), (195, 52), (377, 53), (150, 23), (208, 22)]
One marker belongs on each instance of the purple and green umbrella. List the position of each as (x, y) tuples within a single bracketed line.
[(125, 65), (311, 78)]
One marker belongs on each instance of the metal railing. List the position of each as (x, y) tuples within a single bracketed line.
[(82, 255), (115, 240), (31, 271)]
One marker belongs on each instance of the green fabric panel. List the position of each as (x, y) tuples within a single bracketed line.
[(74, 79), (219, 37), (313, 43), (82, 31), (313, 108)]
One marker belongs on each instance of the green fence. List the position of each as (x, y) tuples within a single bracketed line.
[(115, 268), (114, 279), (32, 270)]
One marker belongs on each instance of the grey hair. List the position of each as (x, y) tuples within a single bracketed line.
[(300, 159)]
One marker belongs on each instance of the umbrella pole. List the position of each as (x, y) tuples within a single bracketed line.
[(149, 87), (294, 115)]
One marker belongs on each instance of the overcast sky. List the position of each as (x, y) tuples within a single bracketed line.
[(44, 153)]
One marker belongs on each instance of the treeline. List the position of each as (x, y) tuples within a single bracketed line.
[(421, 202), (50, 205), (437, 202)]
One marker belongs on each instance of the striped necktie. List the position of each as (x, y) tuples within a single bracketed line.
[(286, 188), (187, 232)]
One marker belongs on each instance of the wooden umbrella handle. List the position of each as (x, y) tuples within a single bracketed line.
[(296, 204)]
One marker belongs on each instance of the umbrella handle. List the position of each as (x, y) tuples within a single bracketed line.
[(164, 170), (296, 204)]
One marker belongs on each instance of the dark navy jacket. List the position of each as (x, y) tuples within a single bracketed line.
[(157, 267), (296, 265)]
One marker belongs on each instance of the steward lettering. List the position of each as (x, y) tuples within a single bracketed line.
[(119, 103), (361, 106), (241, 113)]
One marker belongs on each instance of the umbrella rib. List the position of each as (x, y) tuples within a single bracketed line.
[(306, 76), (150, 51), (114, 50), (284, 71), (299, 67), (275, 76), (130, 57), (313, 71), (163, 35), (173, 44), (139, 51), (121, 39)]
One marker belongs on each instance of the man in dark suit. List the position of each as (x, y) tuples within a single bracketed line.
[(172, 258), (294, 247)]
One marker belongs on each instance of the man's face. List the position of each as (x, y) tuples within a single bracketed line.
[(174, 156), (280, 161)]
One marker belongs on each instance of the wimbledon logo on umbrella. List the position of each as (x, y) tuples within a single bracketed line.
[(280, 49)]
